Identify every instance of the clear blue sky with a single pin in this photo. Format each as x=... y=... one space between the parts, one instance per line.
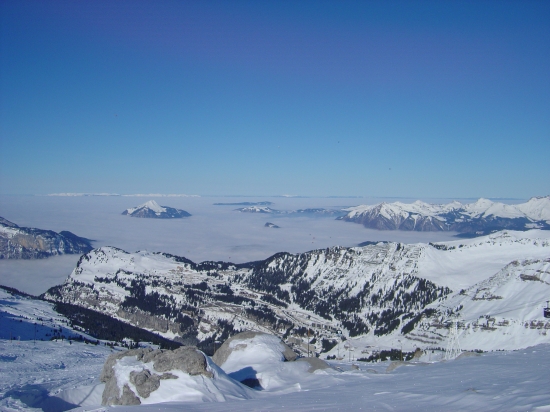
x=370 y=98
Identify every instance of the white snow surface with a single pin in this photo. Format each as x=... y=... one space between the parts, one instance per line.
x=536 y=209
x=468 y=261
x=262 y=359
x=57 y=376
x=151 y=204
x=504 y=381
x=36 y=372
x=461 y=265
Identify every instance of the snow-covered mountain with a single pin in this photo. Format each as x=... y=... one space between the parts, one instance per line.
x=498 y=312
x=257 y=209
x=29 y=243
x=151 y=209
x=481 y=217
x=297 y=212
x=374 y=293
x=264 y=203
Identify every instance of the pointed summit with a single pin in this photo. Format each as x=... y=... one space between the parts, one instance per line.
x=152 y=209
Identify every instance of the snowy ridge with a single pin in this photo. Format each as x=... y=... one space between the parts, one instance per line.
x=371 y=292
x=298 y=212
x=480 y=216
x=26 y=318
x=504 y=310
x=257 y=209
x=151 y=204
x=30 y=243
x=152 y=209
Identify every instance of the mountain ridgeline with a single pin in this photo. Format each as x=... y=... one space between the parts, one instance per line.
x=30 y=243
x=358 y=289
x=481 y=217
x=379 y=291
x=153 y=210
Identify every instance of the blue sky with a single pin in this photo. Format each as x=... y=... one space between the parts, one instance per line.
x=371 y=98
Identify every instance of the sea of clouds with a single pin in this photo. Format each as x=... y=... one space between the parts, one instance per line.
x=213 y=232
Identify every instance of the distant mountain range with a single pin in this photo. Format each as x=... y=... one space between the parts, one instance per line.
x=151 y=209
x=29 y=243
x=266 y=203
x=495 y=284
x=298 y=212
x=481 y=217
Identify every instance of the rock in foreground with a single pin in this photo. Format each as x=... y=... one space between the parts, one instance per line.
x=145 y=376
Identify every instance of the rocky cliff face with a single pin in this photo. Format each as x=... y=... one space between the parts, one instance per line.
x=30 y=243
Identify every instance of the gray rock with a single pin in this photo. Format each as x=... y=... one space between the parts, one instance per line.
x=128 y=397
x=225 y=350
x=168 y=375
x=107 y=372
x=185 y=359
x=145 y=382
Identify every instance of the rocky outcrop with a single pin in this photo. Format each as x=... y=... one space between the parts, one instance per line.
x=145 y=375
x=29 y=243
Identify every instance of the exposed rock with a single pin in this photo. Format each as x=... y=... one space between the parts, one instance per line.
x=107 y=373
x=144 y=320
x=417 y=354
x=186 y=359
x=29 y=243
x=147 y=380
x=128 y=397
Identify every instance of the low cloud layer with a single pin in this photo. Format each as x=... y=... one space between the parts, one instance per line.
x=211 y=233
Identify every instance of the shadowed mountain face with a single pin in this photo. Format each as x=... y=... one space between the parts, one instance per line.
x=30 y=243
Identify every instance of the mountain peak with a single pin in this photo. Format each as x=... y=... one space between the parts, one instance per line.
x=152 y=209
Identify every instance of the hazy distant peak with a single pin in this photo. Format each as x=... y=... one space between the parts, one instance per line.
x=152 y=209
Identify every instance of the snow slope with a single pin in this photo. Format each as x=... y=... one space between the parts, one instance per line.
x=461 y=263
x=50 y=375
x=498 y=381
x=57 y=376
x=504 y=311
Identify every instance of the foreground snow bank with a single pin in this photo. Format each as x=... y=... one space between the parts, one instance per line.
x=497 y=381
x=50 y=376
x=263 y=361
